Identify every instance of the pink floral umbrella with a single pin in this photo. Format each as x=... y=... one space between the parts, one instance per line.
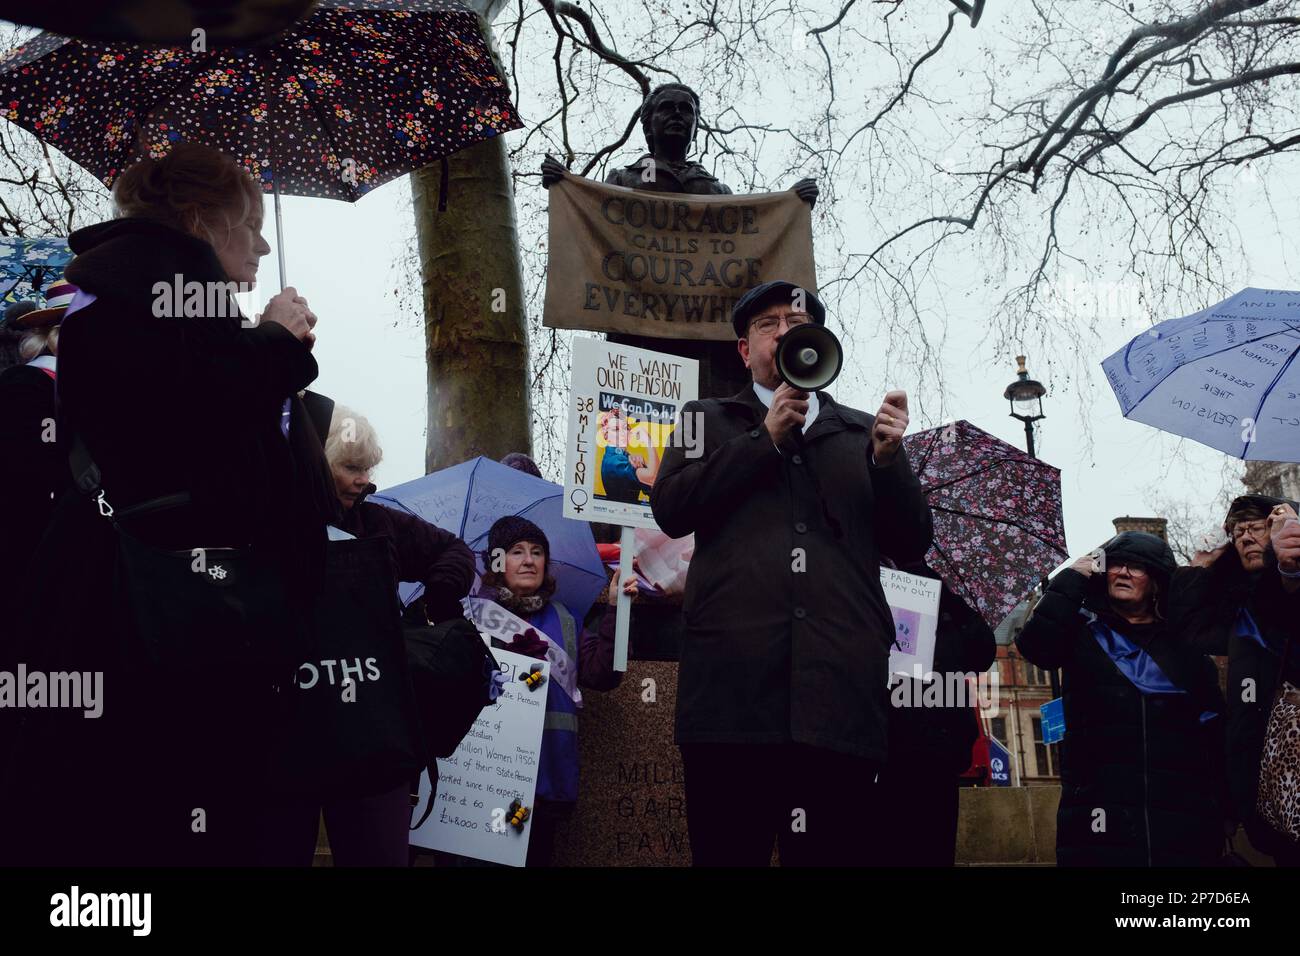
x=997 y=515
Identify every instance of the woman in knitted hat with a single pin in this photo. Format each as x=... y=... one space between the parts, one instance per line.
x=518 y=578
x=1142 y=780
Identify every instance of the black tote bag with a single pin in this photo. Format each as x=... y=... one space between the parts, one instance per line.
x=350 y=727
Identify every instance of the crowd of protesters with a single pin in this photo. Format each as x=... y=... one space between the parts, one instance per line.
x=197 y=437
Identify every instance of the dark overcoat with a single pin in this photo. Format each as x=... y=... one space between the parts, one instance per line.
x=165 y=404
x=787 y=628
x=1142 y=779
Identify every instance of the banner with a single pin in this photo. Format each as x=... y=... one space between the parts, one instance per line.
x=914 y=603
x=494 y=621
x=622 y=413
x=494 y=765
x=668 y=265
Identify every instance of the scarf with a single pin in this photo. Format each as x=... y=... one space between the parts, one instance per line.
x=522 y=605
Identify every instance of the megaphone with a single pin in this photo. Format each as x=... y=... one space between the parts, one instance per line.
x=809 y=357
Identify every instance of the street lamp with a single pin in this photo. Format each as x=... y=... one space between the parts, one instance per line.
x=1026 y=398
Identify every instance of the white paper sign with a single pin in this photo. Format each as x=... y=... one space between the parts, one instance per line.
x=624 y=402
x=914 y=603
x=494 y=621
x=495 y=764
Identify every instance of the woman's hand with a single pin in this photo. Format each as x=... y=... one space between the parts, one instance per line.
x=1086 y=565
x=289 y=309
x=1204 y=558
x=630 y=588
x=1284 y=532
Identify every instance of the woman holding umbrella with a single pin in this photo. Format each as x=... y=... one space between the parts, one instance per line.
x=183 y=416
x=1142 y=763
x=524 y=586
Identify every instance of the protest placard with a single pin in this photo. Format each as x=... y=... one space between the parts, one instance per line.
x=495 y=764
x=668 y=265
x=623 y=406
x=914 y=604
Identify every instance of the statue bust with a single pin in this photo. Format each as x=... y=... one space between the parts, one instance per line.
x=669 y=118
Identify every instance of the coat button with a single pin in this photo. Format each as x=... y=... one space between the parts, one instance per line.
x=754 y=433
x=797 y=459
x=800 y=613
x=800 y=527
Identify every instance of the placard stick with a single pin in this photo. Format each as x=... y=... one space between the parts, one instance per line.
x=626 y=552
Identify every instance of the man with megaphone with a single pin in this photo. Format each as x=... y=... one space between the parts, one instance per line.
x=782 y=695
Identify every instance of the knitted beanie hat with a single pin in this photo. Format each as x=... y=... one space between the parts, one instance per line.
x=506 y=532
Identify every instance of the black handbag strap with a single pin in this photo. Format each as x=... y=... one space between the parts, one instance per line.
x=87 y=479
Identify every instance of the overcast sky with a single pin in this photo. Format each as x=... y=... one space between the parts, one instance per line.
x=371 y=355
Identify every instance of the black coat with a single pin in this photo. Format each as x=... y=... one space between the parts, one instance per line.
x=1146 y=760
x=1206 y=605
x=165 y=405
x=772 y=654
x=421 y=552
x=34 y=473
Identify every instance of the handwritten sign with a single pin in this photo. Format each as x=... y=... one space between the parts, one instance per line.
x=914 y=603
x=494 y=765
x=624 y=405
x=667 y=264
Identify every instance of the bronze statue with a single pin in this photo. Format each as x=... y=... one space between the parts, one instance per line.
x=669 y=119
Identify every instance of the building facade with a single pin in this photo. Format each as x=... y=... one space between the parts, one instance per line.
x=1279 y=479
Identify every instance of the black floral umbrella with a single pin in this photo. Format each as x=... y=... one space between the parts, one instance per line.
x=347 y=99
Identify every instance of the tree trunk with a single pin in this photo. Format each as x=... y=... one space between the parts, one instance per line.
x=475 y=330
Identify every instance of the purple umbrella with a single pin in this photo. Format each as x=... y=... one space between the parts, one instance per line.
x=997 y=515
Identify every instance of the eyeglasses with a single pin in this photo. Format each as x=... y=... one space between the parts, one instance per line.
x=1256 y=529
x=1134 y=570
x=767 y=324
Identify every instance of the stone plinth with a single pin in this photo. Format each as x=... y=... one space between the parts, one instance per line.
x=1007 y=825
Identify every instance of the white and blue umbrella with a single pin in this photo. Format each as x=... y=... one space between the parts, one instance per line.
x=29 y=266
x=1225 y=376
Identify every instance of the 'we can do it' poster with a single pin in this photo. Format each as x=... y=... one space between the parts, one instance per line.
x=623 y=407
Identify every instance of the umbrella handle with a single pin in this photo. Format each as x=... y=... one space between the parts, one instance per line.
x=279 y=226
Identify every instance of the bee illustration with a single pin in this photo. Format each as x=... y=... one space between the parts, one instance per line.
x=533 y=679
x=519 y=814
